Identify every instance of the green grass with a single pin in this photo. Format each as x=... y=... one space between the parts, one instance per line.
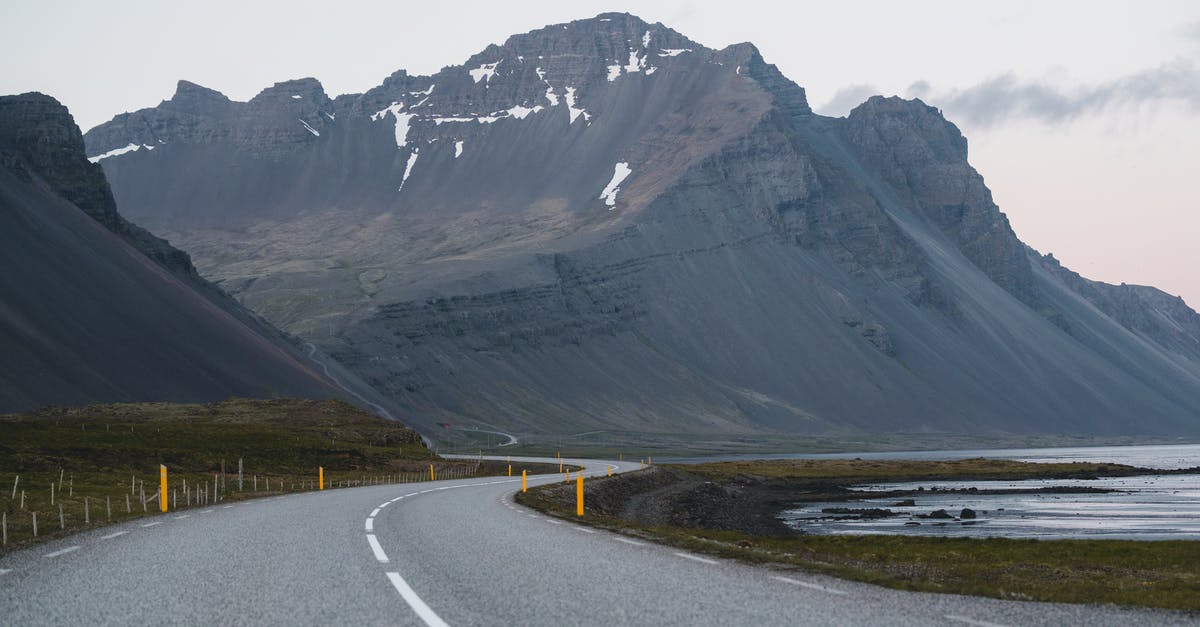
x=101 y=455
x=1160 y=574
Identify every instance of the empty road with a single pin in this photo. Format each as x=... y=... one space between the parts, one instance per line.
x=445 y=553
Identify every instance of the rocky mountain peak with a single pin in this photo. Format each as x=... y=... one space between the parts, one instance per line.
x=301 y=93
x=920 y=128
x=192 y=97
x=39 y=138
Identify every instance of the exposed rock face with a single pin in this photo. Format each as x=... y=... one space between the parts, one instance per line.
x=96 y=309
x=604 y=225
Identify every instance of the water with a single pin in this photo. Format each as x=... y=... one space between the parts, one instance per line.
x=1141 y=508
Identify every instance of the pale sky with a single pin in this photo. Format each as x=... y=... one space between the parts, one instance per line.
x=1083 y=116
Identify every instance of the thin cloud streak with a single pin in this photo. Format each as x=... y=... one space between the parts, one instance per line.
x=1006 y=97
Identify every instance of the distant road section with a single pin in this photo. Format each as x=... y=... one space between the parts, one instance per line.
x=446 y=553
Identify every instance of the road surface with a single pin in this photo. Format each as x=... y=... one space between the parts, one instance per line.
x=447 y=552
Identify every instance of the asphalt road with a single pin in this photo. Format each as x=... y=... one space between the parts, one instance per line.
x=446 y=552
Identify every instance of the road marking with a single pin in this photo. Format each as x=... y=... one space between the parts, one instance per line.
x=207 y=511
x=151 y=524
x=813 y=586
x=584 y=529
x=378 y=550
x=703 y=560
x=554 y=522
x=4 y=571
x=227 y=507
x=370 y=524
x=113 y=535
x=374 y=513
x=62 y=551
x=182 y=516
x=384 y=504
x=628 y=541
x=423 y=611
x=971 y=621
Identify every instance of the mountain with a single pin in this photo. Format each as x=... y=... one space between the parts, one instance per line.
x=94 y=308
x=603 y=226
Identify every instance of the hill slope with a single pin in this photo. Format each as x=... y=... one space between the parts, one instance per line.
x=603 y=225
x=94 y=308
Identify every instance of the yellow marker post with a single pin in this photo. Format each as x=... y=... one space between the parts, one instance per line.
x=610 y=471
x=162 y=488
x=431 y=472
x=510 y=470
x=523 y=485
x=320 y=477
x=579 y=495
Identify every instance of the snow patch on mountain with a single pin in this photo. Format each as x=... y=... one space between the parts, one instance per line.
x=458 y=148
x=484 y=72
x=412 y=160
x=575 y=112
x=614 y=71
x=120 y=151
x=520 y=112
x=620 y=172
x=673 y=52
x=310 y=129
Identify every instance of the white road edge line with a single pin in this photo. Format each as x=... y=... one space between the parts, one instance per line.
x=151 y=524
x=375 y=548
x=4 y=571
x=812 y=586
x=62 y=551
x=585 y=530
x=113 y=535
x=628 y=541
x=697 y=558
x=971 y=621
x=422 y=610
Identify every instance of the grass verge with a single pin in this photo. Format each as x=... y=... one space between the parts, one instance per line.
x=1158 y=574
x=87 y=467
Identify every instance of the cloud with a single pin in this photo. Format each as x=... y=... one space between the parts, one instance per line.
x=846 y=99
x=1005 y=97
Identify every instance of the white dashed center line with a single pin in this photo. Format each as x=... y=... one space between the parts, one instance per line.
x=697 y=558
x=113 y=535
x=971 y=621
x=811 y=586
x=375 y=548
x=370 y=524
x=62 y=551
x=410 y=596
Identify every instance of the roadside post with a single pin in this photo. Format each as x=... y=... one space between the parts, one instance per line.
x=579 y=495
x=162 y=488
x=524 y=486
x=320 y=477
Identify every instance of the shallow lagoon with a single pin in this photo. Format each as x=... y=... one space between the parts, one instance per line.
x=1142 y=508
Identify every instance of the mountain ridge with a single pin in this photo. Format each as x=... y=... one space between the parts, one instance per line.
x=450 y=239
x=96 y=308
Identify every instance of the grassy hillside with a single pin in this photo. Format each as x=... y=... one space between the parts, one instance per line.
x=98 y=463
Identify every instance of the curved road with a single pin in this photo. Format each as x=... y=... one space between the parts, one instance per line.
x=447 y=552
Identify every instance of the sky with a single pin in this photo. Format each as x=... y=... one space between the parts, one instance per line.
x=1082 y=116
